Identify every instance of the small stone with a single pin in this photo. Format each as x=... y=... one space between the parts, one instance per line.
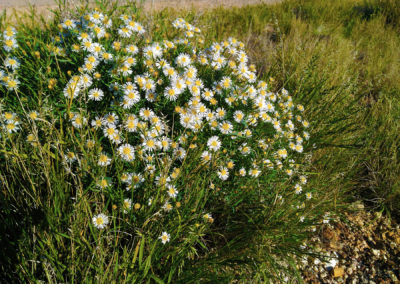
x=338 y=272
x=376 y=252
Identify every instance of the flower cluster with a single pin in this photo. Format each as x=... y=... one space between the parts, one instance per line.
x=8 y=72
x=147 y=110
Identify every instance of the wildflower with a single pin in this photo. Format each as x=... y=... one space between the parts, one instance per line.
x=242 y=172
x=127 y=205
x=78 y=121
x=164 y=237
x=150 y=144
x=223 y=173
x=10 y=44
x=11 y=63
x=100 y=221
x=206 y=156
x=104 y=160
x=282 y=153
x=127 y=152
x=110 y=119
x=68 y=24
x=12 y=83
x=254 y=172
x=244 y=149
x=180 y=153
x=103 y=183
x=167 y=206
x=96 y=94
x=172 y=192
x=33 y=115
x=213 y=143
x=12 y=126
x=207 y=217
x=225 y=127
x=183 y=60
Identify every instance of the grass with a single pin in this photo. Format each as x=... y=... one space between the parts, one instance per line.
x=338 y=58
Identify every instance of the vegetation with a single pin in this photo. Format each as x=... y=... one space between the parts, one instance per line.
x=338 y=59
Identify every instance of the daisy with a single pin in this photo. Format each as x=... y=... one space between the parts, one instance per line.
x=12 y=126
x=124 y=32
x=146 y=113
x=96 y=94
x=10 y=44
x=104 y=160
x=132 y=49
x=131 y=125
x=127 y=152
x=111 y=119
x=150 y=144
x=136 y=179
x=282 y=153
x=127 y=204
x=172 y=192
x=225 y=127
x=132 y=95
x=297 y=189
x=85 y=81
x=68 y=24
x=206 y=156
x=298 y=148
x=214 y=143
x=220 y=113
x=180 y=153
x=70 y=157
x=223 y=173
x=78 y=121
x=100 y=221
x=242 y=172
x=167 y=206
x=183 y=60
x=303 y=179
x=207 y=94
x=254 y=172
x=11 y=63
x=238 y=116
x=171 y=93
x=164 y=237
x=111 y=132
x=33 y=115
x=97 y=122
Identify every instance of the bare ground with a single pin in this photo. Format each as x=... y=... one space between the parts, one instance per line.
x=43 y=7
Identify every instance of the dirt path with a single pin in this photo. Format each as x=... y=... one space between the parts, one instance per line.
x=43 y=7
x=148 y=4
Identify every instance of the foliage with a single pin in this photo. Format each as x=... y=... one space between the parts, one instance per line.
x=147 y=158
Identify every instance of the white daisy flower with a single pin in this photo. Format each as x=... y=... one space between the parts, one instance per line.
x=165 y=237
x=223 y=173
x=100 y=221
x=214 y=143
x=96 y=94
x=127 y=152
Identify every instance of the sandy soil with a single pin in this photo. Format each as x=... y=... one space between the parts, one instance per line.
x=149 y=4
x=43 y=7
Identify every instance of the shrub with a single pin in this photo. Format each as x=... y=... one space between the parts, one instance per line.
x=148 y=160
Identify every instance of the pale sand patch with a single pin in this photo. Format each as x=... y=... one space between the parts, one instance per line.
x=42 y=7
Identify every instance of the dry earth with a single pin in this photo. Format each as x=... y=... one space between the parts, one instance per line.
x=43 y=7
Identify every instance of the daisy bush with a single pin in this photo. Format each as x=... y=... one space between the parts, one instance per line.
x=151 y=157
